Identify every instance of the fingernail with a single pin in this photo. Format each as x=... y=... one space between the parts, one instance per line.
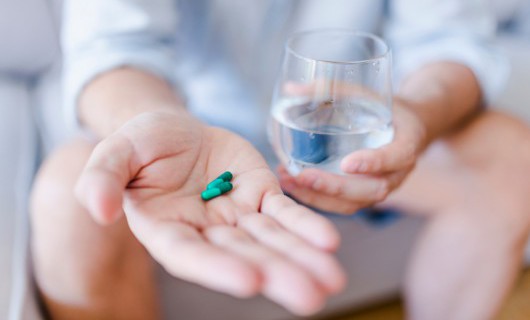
x=363 y=166
x=354 y=167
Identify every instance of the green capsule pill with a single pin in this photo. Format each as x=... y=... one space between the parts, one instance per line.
x=214 y=183
x=225 y=187
x=226 y=176
x=209 y=194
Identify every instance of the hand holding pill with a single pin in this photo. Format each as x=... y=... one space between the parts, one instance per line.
x=235 y=232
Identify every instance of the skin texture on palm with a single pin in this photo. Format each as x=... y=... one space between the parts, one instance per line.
x=251 y=240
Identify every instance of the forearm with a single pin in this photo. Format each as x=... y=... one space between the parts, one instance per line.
x=442 y=95
x=118 y=95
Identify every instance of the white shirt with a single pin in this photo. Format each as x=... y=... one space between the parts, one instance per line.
x=224 y=54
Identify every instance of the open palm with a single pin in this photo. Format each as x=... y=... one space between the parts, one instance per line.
x=251 y=240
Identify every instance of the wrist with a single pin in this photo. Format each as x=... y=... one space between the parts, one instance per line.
x=104 y=125
x=443 y=95
x=120 y=95
x=424 y=134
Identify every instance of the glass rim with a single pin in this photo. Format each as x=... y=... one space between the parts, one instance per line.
x=360 y=34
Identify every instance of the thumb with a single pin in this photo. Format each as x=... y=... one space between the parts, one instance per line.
x=409 y=140
x=102 y=183
x=397 y=155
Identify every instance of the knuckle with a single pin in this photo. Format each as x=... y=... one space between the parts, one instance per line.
x=383 y=190
x=336 y=188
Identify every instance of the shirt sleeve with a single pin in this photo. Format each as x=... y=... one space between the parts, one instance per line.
x=100 y=35
x=425 y=31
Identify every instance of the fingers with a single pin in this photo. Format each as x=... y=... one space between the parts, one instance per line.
x=283 y=281
x=322 y=265
x=185 y=254
x=303 y=222
x=359 y=188
x=102 y=183
x=323 y=202
x=400 y=154
x=339 y=194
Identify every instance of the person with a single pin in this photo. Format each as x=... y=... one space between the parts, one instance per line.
x=147 y=158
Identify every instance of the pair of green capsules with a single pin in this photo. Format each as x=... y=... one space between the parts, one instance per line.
x=218 y=186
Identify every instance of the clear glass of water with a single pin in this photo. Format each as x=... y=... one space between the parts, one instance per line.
x=333 y=97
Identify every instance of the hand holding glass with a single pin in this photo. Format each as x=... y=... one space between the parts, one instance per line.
x=333 y=97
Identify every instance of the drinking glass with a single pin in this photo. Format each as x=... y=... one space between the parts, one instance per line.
x=333 y=96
